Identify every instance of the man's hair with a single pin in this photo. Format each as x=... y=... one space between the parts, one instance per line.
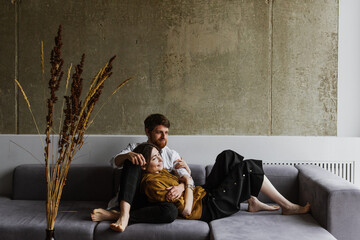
x=154 y=120
x=145 y=149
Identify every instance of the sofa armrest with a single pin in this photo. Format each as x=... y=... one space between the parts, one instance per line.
x=335 y=203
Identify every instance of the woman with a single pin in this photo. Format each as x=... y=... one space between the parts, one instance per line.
x=231 y=181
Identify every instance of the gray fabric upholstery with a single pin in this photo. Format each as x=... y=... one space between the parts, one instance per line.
x=25 y=219
x=284 y=178
x=179 y=229
x=268 y=226
x=334 y=202
x=84 y=183
x=198 y=174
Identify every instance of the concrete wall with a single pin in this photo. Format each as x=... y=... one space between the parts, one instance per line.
x=242 y=67
x=7 y=68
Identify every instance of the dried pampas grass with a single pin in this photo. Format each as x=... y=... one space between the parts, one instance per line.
x=75 y=120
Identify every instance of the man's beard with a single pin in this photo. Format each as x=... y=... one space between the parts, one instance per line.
x=159 y=144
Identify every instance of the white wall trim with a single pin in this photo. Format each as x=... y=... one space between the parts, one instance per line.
x=348 y=122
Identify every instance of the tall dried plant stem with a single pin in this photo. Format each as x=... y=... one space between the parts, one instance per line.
x=42 y=64
x=54 y=83
x=108 y=99
x=72 y=128
x=75 y=142
x=63 y=103
x=30 y=110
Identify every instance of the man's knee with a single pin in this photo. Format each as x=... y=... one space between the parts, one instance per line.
x=168 y=212
x=129 y=165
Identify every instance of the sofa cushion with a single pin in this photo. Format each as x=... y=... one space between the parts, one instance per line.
x=179 y=229
x=26 y=219
x=268 y=225
x=84 y=183
x=198 y=173
x=334 y=201
x=285 y=179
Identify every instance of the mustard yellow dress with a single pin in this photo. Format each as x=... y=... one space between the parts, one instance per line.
x=231 y=181
x=154 y=186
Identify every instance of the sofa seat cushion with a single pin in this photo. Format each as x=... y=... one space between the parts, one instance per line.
x=268 y=225
x=179 y=229
x=25 y=219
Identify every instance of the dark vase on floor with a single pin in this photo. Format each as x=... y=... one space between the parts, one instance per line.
x=50 y=234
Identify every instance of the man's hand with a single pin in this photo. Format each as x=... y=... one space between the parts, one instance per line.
x=136 y=158
x=180 y=163
x=175 y=192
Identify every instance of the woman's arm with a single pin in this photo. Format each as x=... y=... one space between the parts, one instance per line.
x=188 y=195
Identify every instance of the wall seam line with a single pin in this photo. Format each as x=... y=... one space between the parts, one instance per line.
x=270 y=103
x=16 y=64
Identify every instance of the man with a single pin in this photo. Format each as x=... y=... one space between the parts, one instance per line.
x=129 y=197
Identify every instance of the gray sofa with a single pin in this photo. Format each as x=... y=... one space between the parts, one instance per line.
x=335 y=208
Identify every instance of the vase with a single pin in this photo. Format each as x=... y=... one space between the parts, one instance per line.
x=50 y=234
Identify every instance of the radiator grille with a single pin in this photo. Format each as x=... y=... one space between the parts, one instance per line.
x=344 y=170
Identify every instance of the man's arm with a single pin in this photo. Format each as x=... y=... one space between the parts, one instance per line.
x=182 y=170
x=180 y=163
x=135 y=158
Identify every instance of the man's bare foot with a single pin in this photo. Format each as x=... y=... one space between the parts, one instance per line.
x=100 y=214
x=255 y=205
x=296 y=209
x=121 y=223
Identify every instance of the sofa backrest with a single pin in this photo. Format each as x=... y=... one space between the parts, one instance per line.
x=84 y=182
x=284 y=179
x=100 y=183
x=198 y=173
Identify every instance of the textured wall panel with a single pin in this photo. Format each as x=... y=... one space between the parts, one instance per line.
x=7 y=67
x=207 y=65
x=305 y=67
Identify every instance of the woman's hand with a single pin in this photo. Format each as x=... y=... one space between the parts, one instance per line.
x=175 y=192
x=186 y=212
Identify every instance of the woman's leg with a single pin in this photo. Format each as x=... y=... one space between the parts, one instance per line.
x=225 y=162
x=288 y=208
x=231 y=181
x=255 y=205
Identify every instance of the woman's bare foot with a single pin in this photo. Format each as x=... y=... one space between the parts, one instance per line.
x=255 y=205
x=100 y=214
x=121 y=223
x=296 y=209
